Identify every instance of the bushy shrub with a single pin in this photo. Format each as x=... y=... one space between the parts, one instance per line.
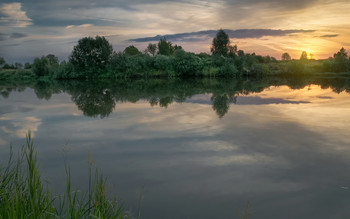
x=65 y=71
x=259 y=69
x=228 y=69
x=187 y=64
x=163 y=63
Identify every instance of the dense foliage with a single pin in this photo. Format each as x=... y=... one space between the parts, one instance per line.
x=94 y=58
x=90 y=57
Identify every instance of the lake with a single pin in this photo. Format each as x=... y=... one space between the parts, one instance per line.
x=206 y=148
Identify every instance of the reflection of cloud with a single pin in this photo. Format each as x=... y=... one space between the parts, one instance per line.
x=15 y=16
x=243 y=159
x=325 y=97
x=256 y=100
x=29 y=123
x=4 y=129
x=2 y=142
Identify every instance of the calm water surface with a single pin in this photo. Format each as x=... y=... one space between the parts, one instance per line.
x=194 y=149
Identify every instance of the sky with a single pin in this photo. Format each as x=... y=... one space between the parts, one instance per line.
x=32 y=28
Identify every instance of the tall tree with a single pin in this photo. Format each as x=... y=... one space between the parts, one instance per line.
x=165 y=47
x=303 y=55
x=152 y=49
x=91 y=56
x=341 y=55
x=52 y=59
x=286 y=56
x=221 y=44
x=2 y=61
x=41 y=66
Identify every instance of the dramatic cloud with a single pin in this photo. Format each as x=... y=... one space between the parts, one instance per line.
x=204 y=35
x=330 y=35
x=266 y=27
x=14 y=15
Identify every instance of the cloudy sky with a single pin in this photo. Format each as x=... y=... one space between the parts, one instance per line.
x=31 y=28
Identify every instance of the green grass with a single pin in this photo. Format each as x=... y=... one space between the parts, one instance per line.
x=24 y=195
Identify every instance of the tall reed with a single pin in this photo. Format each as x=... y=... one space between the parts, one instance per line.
x=23 y=194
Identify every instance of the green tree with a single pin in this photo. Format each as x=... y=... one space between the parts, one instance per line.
x=41 y=66
x=2 y=61
x=342 y=54
x=340 y=62
x=131 y=51
x=90 y=57
x=286 y=56
x=53 y=60
x=152 y=49
x=18 y=65
x=303 y=55
x=221 y=44
x=27 y=65
x=165 y=47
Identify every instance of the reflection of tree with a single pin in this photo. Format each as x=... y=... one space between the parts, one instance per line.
x=221 y=103
x=98 y=98
x=94 y=102
x=5 y=92
x=45 y=89
x=165 y=101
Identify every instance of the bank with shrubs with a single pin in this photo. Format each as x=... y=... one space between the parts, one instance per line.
x=95 y=58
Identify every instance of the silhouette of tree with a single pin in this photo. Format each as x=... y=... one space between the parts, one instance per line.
x=18 y=65
x=221 y=44
x=27 y=65
x=131 y=51
x=341 y=62
x=152 y=49
x=165 y=47
x=303 y=55
x=2 y=61
x=286 y=56
x=342 y=54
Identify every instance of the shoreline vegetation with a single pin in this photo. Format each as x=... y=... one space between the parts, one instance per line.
x=94 y=58
x=23 y=193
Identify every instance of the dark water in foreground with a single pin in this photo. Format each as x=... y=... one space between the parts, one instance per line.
x=194 y=149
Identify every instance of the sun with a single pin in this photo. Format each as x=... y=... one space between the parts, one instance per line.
x=309 y=55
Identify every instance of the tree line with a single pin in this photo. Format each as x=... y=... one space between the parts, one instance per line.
x=95 y=58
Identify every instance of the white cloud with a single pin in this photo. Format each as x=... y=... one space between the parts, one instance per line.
x=14 y=15
x=78 y=26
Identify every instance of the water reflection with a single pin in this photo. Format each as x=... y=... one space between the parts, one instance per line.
x=99 y=98
x=281 y=149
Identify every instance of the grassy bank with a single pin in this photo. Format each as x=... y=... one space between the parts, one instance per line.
x=23 y=193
